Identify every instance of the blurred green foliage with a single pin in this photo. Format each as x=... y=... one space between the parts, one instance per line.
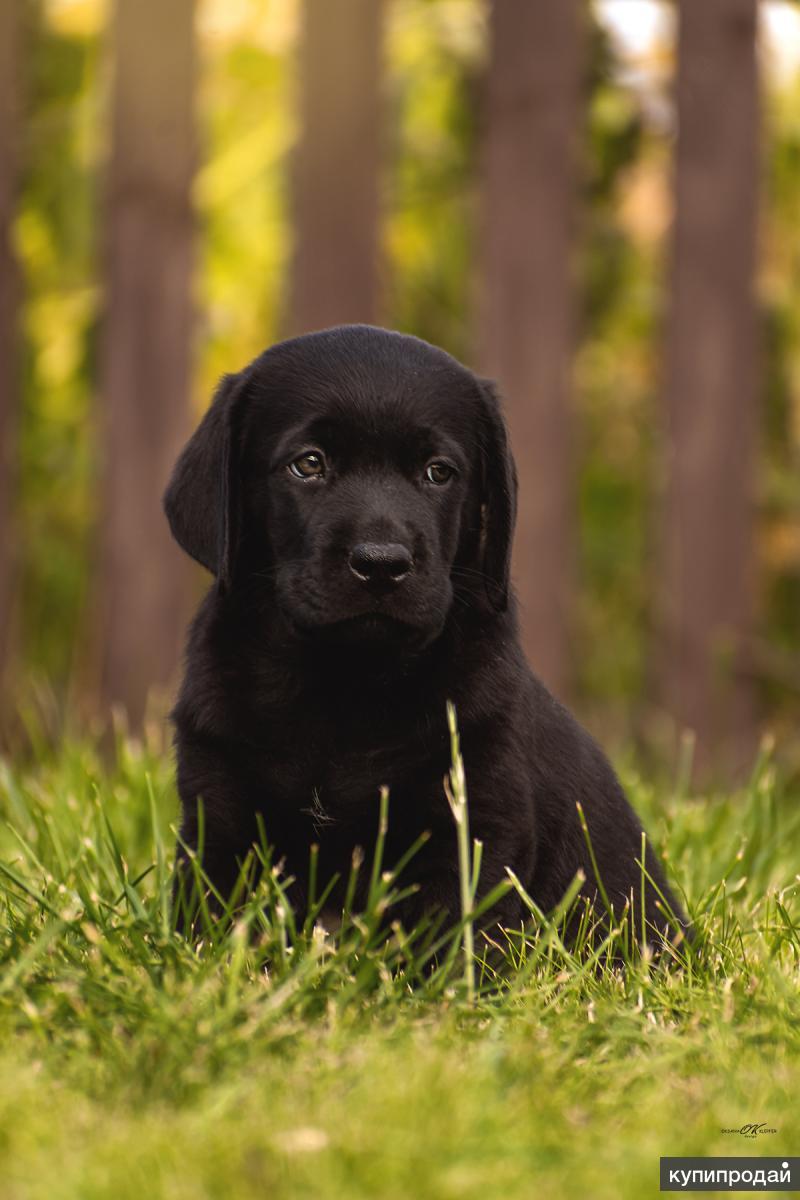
x=434 y=59
x=56 y=243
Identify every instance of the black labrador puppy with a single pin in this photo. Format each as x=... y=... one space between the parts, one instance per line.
x=353 y=493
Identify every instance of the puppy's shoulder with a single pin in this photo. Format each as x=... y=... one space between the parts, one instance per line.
x=563 y=752
x=212 y=681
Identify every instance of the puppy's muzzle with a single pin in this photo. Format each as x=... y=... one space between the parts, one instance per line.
x=380 y=564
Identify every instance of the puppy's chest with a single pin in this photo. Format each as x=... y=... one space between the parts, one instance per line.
x=336 y=787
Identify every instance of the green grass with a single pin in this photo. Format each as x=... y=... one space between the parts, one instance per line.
x=277 y=1060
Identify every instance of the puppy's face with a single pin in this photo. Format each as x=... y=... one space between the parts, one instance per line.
x=367 y=474
x=359 y=495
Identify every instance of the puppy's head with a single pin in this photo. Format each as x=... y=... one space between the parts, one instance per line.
x=357 y=477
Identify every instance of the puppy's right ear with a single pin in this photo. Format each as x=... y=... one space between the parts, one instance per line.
x=499 y=497
x=201 y=500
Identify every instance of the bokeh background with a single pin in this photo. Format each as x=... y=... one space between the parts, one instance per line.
x=596 y=203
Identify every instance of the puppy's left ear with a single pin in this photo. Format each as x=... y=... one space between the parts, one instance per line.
x=201 y=500
x=498 y=498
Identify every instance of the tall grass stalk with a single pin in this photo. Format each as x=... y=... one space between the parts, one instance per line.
x=455 y=786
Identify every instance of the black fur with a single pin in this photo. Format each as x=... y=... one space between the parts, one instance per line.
x=308 y=687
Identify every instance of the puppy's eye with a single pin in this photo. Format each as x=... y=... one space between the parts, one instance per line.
x=309 y=466
x=439 y=472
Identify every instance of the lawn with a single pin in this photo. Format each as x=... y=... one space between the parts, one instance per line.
x=288 y=1062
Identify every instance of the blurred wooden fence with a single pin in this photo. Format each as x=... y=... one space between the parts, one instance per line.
x=529 y=177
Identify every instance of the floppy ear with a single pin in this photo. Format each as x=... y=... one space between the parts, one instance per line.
x=498 y=499
x=201 y=500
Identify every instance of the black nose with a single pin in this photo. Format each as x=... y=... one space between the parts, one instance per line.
x=378 y=562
